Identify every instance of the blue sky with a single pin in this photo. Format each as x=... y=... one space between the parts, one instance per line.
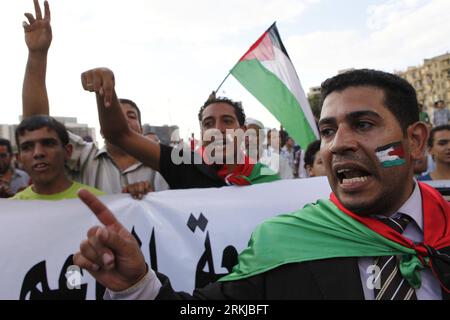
x=168 y=55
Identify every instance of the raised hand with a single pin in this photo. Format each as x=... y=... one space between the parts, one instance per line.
x=38 y=32
x=110 y=253
x=101 y=81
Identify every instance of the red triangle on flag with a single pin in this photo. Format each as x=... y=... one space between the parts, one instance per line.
x=261 y=50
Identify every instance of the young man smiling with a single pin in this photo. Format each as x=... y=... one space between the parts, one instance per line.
x=218 y=163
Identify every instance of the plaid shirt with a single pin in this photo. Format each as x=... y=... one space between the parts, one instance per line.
x=441 y=117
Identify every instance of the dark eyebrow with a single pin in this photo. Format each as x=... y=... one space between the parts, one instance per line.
x=44 y=140
x=360 y=114
x=228 y=116
x=26 y=143
x=47 y=140
x=325 y=121
x=350 y=117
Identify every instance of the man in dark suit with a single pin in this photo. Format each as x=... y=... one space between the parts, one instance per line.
x=381 y=235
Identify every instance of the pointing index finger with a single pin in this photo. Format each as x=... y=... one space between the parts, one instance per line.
x=103 y=214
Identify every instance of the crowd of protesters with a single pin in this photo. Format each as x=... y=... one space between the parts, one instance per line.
x=234 y=150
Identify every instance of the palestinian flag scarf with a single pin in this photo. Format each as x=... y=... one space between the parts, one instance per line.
x=244 y=174
x=327 y=230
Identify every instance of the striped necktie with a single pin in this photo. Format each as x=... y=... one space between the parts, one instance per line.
x=392 y=285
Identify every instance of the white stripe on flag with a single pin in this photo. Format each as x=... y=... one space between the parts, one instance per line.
x=283 y=68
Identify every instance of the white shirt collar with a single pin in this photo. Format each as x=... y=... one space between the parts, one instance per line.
x=413 y=207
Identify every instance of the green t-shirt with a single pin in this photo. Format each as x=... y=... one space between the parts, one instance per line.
x=70 y=193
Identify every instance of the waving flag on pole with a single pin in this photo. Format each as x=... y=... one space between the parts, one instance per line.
x=267 y=72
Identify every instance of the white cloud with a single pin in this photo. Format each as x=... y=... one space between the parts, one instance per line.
x=401 y=33
x=389 y=12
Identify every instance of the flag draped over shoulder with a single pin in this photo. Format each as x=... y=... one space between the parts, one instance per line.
x=267 y=72
x=327 y=230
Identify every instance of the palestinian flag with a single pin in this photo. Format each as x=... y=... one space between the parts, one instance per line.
x=268 y=73
x=391 y=155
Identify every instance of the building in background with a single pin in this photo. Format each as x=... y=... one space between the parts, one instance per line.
x=314 y=92
x=83 y=130
x=431 y=81
x=168 y=135
x=314 y=101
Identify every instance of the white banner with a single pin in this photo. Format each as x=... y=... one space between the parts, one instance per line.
x=192 y=236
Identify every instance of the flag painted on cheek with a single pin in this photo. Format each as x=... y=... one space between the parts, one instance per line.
x=391 y=155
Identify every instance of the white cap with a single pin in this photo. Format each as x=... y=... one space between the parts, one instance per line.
x=251 y=121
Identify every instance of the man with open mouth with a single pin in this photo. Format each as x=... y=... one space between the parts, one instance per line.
x=381 y=235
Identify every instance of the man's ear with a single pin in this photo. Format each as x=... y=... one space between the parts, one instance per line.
x=417 y=139
x=69 y=149
x=309 y=170
x=201 y=133
x=19 y=157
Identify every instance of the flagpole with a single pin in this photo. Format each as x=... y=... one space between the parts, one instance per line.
x=217 y=90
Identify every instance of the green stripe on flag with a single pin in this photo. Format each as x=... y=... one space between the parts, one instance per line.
x=393 y=163
x=277 y=98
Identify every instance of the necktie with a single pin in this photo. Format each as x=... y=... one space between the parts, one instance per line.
x=392 y=285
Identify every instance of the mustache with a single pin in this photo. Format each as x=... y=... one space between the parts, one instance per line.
x=347 y=157
x=351 y=157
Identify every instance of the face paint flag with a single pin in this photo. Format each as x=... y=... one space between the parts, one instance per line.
x=267 y=72
x=391 y=155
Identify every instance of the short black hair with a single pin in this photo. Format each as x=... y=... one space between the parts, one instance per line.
x=310 y=153
x=433 y=133
x=42 y=121
x=237 y=106
x=7 y=144
x=284 y=136
x=134 y=105
x=399 y=95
